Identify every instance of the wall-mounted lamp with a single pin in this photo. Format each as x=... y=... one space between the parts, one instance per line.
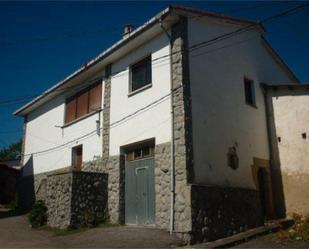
x=98 y=125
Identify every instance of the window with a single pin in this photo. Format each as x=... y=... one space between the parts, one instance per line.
x=140 y=74
x=77 y=157
x=140 y=153
x=249 y=92
x=84 y=102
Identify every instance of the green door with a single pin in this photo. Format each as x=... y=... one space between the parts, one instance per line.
x=140 y=192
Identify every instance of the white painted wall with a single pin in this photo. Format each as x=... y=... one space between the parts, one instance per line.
x=155 y=121
x=221 y=118
x=291 y=115
x=42 y=134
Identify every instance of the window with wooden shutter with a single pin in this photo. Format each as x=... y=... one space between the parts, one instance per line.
x=70 y=110
x=95 y=97
x=82 y=104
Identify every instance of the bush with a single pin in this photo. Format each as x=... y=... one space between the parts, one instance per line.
x=38 y=214
x=300 y=229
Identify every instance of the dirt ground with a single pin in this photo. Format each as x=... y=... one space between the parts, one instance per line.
x=272 y=241
x=15 y=232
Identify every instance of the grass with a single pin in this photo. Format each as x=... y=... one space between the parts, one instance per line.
x=70 y=231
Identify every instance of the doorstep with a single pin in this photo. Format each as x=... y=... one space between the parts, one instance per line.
x=270 y=226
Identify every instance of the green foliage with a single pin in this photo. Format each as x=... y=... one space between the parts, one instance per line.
x=300 y=229
x=38 y=214
x=12 y=152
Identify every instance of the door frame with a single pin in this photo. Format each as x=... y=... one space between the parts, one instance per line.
x=125 y=150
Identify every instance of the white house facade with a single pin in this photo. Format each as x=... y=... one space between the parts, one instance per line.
x=170 y=123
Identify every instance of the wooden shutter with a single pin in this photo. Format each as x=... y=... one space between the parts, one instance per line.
x=70 y=110
x=82 y=104
x=95 y=97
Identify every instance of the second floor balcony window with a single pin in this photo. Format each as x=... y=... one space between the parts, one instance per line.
x=84 y=102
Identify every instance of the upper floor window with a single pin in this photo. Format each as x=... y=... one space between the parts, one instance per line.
x=84 y=102
x=249 y=92
x=140 y=74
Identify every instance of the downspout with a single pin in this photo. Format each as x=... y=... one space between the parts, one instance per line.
x=172 y=166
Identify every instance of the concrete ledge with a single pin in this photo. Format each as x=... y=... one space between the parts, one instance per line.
x=271 y=226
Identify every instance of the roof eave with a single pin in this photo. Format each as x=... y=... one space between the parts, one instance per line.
x=100 y=57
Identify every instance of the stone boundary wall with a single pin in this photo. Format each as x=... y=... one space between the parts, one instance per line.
x=58 y=199
x=218 y=212
x=76 y=198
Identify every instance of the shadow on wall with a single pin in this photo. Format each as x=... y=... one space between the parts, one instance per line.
x=275 y=167
x=25 y=187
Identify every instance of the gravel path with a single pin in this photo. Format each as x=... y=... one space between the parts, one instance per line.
x=15 y=232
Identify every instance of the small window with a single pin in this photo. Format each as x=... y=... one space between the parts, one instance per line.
x=140 y=153
x=140 y=74
x=77 y=157
x=249 y=92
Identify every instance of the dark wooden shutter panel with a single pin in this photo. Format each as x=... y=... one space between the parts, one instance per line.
x=82 y=104
x=95 y=97
x=70 y=110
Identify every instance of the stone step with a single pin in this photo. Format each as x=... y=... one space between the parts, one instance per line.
x=270 y=226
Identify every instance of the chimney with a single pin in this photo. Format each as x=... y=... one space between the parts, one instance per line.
x=128 y=28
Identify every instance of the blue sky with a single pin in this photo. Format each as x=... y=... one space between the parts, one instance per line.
x=43 y=42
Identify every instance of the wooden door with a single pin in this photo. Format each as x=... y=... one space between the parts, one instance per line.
x=77 y=157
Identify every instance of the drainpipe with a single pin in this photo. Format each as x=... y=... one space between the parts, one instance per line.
x=172 y=166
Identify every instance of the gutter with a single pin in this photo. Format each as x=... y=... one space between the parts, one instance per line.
x=172 y=166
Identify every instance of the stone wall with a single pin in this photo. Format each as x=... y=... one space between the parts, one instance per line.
x=89 y=198
x=58 y=199
x=220 y=212
x=162 y=184
x=181 y=127
x=115 y=170
x=76 y=199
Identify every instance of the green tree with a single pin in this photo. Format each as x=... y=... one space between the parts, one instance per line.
x=12 y=152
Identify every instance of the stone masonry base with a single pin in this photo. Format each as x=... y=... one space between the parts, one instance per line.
x=219 y=212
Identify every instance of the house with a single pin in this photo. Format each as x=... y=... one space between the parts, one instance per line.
x=168 y=127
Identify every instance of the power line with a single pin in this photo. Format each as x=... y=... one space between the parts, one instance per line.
x=195 y=46
x=158 y=100
x=254 y=7
x=112 y=125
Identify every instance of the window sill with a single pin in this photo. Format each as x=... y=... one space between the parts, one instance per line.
x=140 y=90
x=81 y=118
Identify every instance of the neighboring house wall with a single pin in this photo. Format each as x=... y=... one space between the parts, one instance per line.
x=221 y=118
x=44 y=132
x=291 y=116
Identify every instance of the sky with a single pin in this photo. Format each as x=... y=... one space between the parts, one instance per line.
x=43 y=42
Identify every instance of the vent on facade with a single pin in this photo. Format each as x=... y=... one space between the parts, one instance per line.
x=128 y=28
x=279 y=139
x=304 y=135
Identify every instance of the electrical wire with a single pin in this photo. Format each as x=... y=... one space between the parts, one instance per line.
x=193 y=47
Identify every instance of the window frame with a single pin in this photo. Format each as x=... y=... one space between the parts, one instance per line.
x=252 y=91
x=75 y=97
x=131 y=66
x=73 y=153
